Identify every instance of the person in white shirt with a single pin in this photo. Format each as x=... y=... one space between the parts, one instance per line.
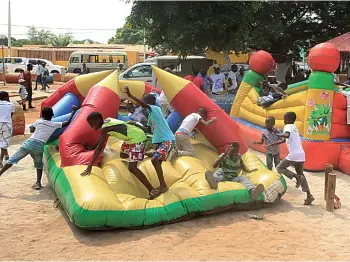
x=42 y=129
x=347 y=95
x=218 y=80
x=39 y=72
x=6 y=112
x=295 y=157
x=182 y=135
x=232 y=80
x=135 y=113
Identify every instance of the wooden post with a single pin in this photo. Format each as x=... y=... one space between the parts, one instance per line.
x=329 y=169
x=332 y=178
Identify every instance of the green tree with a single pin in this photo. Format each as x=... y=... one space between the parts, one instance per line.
x=127 y=35
x=39 y=37
x=62 y=39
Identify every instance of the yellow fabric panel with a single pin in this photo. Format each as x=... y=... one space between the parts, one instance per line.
x=85 y=82
x=137 y=88
x=296 y=89
x=298 y=99
x=170 y=83
x=111 y=82
x=243 y=91
x=113 y=187
x=253 y=107
x=252 y=117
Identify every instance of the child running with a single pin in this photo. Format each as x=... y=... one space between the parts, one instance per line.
x=162 y=136
x=42 y=129
x=295 y=157
x=268 y=137
x=229 y=165
x=182 y=135
x=6 y=112
x=133 y=147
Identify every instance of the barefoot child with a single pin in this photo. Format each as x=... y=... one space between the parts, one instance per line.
x=268 y=137
x=133 y=147
x=42 y=129
x=229 y=165
x=182 y=135
x=22 y=94
x=162 y=135
x=6 y=112
x=296 y=156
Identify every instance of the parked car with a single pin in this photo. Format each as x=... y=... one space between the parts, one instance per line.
x=15 y=64
x=1 y=68
x=53 y=69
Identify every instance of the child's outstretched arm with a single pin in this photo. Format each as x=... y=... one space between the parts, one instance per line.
x=97 y=152
x=66 y=123
x=137 y=100
x=207 y=123
x=283 y=140
x=261 y=141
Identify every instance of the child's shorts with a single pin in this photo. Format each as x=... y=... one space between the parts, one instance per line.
x=163 y=150
x=32 y=147
x=23 y=97
x=136 y=151
x=5 y=135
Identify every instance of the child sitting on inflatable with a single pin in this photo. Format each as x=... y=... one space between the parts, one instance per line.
x=42 y=129
x=229 y=165
x=184 y=146
x=133 y=147
x=135 y=113
x=268 y=137
x=270 y=94
x=162 y=135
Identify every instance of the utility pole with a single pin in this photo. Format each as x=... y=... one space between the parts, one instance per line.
x=9 y=32
x=144 y=44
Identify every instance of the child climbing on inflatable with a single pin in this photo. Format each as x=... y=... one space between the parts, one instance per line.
x=268 y=137
x=182 y=135
x=162 y=135
x=295 y=157
x=42 y=129
x=229 y=165
x=135 y=113
x=133 y=147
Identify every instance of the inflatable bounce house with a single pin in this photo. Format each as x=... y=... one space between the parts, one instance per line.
x=320 y=109
x=111 y=196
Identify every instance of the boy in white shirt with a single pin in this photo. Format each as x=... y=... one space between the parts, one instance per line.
x=218 y=80
x=182 y=135
x=296 y=156
x=42 y=129
x=347 y=95
x=232 y=80
x=6 y=112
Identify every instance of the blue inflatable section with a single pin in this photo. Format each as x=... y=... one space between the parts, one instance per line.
x=64 y=106
x=174 y=121
x=63 y=118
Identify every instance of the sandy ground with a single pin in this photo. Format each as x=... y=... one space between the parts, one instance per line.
x=31 y=228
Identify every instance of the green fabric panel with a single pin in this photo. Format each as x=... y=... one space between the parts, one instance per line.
x=295 y=85
x=321 y=80
x=135 y=218
x=253 y=78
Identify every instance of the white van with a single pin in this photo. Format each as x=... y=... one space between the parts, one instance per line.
x=96 y=61
x=15 y=64
x=181 y=67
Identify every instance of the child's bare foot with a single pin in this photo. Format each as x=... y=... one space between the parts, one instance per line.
x=211 y=180
x=255 y=193
x=309 y=200
x=37 y=186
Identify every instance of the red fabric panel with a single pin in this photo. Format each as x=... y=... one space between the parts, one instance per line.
x=339 y=101
x=79 y=132
x=149 y=88
x=222 y=132
x=340 y=131
x=344 y=160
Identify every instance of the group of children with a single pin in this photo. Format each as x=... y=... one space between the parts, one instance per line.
x=150 y=120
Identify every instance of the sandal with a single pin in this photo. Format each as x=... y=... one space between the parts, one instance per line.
x=309 y=200
x=37 y=186
x=163 y=189
x=155 y=192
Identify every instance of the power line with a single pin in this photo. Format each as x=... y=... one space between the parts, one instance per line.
x=62 y=28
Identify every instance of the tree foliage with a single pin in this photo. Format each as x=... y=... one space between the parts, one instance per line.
x=39 y=37
x=62 y=39
x=127 y=35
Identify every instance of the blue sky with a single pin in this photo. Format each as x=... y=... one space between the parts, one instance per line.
x=75 y=14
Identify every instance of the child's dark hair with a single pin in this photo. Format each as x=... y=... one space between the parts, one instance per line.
x=235 y=144
x=95 y=116
x=203 y=111
x=272 y=119
x=4 y=95
x=291 y=116
x=149 y=99
x=47 y=113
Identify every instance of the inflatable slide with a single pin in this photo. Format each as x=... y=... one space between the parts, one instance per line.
x=320 y=109
x=111 y=196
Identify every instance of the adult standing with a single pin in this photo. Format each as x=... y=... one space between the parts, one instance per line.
x=240 y=76
x=39 y=72
x=28 y=84
x=218 y=80
x=206 y=79
x=232 y=80
x=44 y=76
x=86 y=70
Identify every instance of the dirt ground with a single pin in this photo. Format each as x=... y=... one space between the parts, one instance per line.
x=31 y=228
